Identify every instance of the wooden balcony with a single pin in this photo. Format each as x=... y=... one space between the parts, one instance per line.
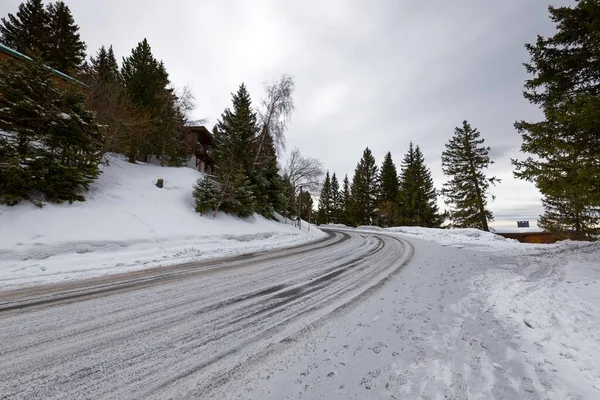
x=203 y=151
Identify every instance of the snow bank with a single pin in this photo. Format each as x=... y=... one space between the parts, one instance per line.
x=127 y=223
x=552 y=296
x=453 y=237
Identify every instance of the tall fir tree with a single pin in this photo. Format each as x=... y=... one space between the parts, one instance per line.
x=336 y=201
x=233 y=134
x=104 y=66
x=267 y=184
x=389 y=209
x=325 y=202
x=418 y=197
x=464 y=162
x=307 y=204
x=345 y=201
x=364 y=191
x=27 y=31
x=49 y=142
x=565 y=83
x=64 y=50
x=146 y=83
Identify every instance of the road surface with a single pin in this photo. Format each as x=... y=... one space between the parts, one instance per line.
x=181 y=332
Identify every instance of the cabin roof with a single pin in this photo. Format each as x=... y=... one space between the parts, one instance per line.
x=15 y=54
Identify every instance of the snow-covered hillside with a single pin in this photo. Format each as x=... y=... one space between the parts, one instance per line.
x=127 y=223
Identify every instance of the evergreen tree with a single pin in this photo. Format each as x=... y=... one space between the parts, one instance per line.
x=267 y=184
x=418 y=197
x=146 y=84
x=206 y=193
x=49 y=142
x=345 y=201
x=365 y=190
x=464 y=161
x=64 y=50
x=336 y=201
x=325 y=202
x=233 y=134
x=104 y=66
x=27 y=31
x=566 y=85
x=307 y=204
x=389 y=191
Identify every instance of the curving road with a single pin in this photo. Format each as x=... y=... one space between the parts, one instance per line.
x=183 y=331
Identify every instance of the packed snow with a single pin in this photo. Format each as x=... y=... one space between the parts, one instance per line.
x=128 y=223
x=473 y=315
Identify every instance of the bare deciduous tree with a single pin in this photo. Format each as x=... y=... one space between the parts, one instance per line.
x=275 y=113
x=302 y=172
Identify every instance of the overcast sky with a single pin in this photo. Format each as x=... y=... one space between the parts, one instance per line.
x=368 y=73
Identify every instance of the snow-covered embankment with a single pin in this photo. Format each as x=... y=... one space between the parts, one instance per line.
x=127 y=223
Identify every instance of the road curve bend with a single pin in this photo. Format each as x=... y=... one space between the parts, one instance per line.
x=184 y=331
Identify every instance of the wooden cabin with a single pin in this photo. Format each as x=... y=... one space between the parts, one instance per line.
x=60 y=78
x=532 y=237
x=200 y=144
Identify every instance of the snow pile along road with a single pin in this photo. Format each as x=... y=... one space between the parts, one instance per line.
x=128 y=223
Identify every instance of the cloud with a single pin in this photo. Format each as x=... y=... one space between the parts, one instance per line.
x=377 y=74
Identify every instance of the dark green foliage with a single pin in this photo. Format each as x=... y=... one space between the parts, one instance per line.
x=307 y=205
x=565 y=84
x=47 y=33
x=50 y=144
x=345 y=201
x=145 y=78
x=234 y=136
x=570 y=215
x=325 y=202
x=389 y=210
x=146 y=83
x=364 y=192
x=464 y=161
x=27 y=31
x=337 y=206
x=206 y=193
x=266 y=182
x=418 y=197
x=104 y=66
x=287 y=190
x=64 y=50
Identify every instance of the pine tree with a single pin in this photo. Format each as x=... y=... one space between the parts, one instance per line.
x=64 y=50
x=418 y=197
x=325 y=202
x=364 y=192
x=336 y=200
x=565 y=84
x=234 y=134
x=267 y=185
x=49 y=142
x=27 y=31
x=104 y=66
x=307 y=206
x=389 y=191
x=464 y=161
x=345 y=201
x=146 y=80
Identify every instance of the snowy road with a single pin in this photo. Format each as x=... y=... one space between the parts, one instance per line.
x=184 y=331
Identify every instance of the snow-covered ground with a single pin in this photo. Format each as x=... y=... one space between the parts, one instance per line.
x=128 y=223
x=473 y=315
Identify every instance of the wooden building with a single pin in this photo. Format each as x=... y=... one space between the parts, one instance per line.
x=200 y=143
x=532 y=237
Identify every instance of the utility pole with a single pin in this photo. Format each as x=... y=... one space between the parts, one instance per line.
x=300 y=209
